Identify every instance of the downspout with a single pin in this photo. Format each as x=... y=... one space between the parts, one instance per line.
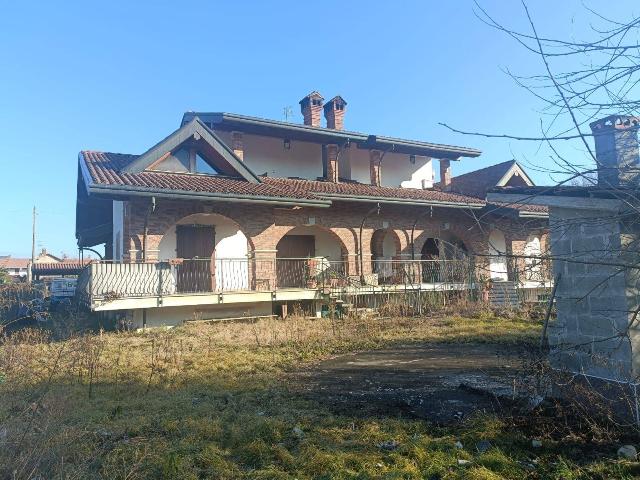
x=150 y=210
x=413 y=230
x=375 y=210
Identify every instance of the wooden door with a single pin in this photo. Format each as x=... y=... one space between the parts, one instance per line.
x=292 y=268
x=195 y=244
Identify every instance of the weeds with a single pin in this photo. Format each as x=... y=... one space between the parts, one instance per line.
x=211 y=401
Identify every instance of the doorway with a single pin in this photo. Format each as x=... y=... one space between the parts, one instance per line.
x=195 y=244
x=293 y=252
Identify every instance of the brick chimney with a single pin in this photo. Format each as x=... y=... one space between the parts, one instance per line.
x=311 y=108
x=617 y=152
x=334 y=112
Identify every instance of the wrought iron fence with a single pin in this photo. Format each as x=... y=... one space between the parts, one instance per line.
x=103 y=281
x=394 y=272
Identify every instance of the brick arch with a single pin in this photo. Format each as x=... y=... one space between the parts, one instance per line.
x=214 y=217
x=377 y=241
x=168 y=212
x=473 y=239
x=283 y=231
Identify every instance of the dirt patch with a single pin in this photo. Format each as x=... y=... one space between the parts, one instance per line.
x=443 y=383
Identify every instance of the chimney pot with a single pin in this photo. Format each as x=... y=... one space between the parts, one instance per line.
x=617 y=150
x=311 y=108
x=334 y=112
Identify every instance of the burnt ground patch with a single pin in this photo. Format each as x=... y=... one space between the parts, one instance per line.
x=442 y=383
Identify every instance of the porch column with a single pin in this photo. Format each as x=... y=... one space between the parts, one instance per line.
x=445 y=173
x=332 y=163
x=375 y=166
x=263 y=270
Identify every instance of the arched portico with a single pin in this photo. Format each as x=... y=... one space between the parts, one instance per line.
x=213 y=252
x=385 y=247
x=305 y=252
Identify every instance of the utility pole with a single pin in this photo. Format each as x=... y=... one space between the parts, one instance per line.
x=33 y=246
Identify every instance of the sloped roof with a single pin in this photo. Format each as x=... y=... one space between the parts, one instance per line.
x=107 y=172
x=10 y=262
x=478 y=182
x=197 y=131
x=296 y=131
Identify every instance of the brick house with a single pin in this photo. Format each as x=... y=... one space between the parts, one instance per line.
x=233 y=216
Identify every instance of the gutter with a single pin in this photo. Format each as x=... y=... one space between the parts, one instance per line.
x=399 y=201
x=230 y=120
x=183 y=194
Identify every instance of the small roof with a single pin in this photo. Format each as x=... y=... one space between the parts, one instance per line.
x=10 y=262
x=205 y=139
x=59 y=268
x=478 y=182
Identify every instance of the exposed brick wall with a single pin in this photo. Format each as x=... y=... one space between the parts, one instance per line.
x=264 y=226
x=375 y=173
x=332 y=163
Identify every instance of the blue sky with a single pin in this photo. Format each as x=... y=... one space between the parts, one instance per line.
x=117 y=76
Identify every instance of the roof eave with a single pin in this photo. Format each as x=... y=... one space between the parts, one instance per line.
x=399 y=201
x=124 y=190
x=229 y=121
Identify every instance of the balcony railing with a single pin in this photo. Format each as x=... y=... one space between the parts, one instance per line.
x=105 y=281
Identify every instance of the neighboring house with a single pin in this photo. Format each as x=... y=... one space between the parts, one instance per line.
x=595 y=233
x=17 y=268
x=45 y=266
x=233 y=215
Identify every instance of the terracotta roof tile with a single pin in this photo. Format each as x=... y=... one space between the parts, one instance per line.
x=9 y=262
x=478 y=182
x=106 y=169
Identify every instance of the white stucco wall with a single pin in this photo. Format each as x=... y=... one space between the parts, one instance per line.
x=397 y=170
x=497 y=263
x=173 y=316
x=304 y=160
x=231 y=249
x=326 y=244
x=230 y=241
x=268 y=155
x=118 y=226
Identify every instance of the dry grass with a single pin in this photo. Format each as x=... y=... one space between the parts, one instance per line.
x=209 y=401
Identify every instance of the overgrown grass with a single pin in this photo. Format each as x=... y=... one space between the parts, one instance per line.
x=212 y=401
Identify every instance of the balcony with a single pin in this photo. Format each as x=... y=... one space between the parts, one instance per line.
x=113 y=286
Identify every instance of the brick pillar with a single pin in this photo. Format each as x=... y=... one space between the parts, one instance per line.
x=445 y=174
x=263 y=270
x=237 y=144
x=375 y=172
x=332 y=163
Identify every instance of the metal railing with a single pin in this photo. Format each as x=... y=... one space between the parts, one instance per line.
x=394 y=272
x=104 y=281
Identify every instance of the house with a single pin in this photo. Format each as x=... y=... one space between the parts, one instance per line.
x=16 y=268
x=45 y=267
x=233 y=216
x=594 y=245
